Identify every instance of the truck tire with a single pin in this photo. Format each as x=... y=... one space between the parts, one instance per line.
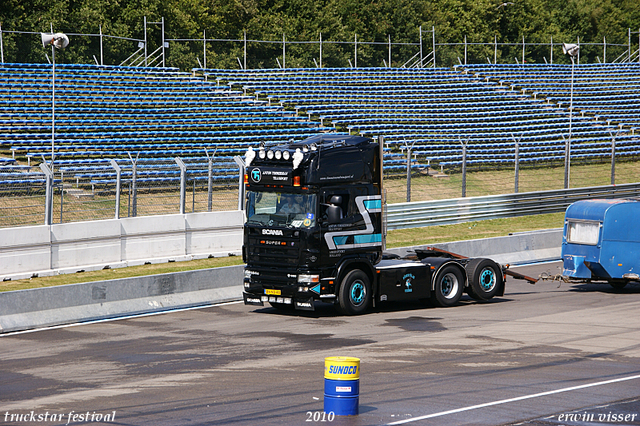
x=484 y=277
x=449 y=284
x=355 y=293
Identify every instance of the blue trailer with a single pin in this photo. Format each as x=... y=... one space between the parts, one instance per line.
x=601 y=242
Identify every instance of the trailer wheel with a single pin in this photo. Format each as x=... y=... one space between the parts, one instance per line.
x=355 y=293
x=448 y=287
x=485 y=278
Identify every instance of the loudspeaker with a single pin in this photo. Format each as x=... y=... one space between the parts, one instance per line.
x=59 y=40
x=570 y=49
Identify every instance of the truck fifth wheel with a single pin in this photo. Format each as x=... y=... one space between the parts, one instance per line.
x=315 y=231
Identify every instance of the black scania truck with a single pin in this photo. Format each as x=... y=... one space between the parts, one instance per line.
x=315 y=230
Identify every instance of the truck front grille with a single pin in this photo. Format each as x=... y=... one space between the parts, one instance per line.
x=285 y=253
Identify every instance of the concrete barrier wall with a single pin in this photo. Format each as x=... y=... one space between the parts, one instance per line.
x=42 y=307
x=71 y=247
x=25 y=249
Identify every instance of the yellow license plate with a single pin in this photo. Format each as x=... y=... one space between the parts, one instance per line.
x=272 y=292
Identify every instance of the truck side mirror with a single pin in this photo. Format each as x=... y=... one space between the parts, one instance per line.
x=334 y=211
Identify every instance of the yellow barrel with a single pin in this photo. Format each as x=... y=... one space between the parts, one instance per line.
x=342 y=368
x=341 y=385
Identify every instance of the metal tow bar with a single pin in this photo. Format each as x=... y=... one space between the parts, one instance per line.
x=505 y=269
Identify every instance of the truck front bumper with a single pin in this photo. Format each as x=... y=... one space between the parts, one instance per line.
x=302 y=304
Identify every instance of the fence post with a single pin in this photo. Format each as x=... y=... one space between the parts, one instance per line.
x=133 y=193
x=613 y=157
x=433 y=35
x=183 y=183
x=145 y=41
x=61 y=200
x=114 y=164
x=241 y=165
x=465 y=49
x=464 y=167
x=495 y=49
x=101 y=49
x=320 y=50
x=210 y=181
x=284 y=52
x=517 y=161
x=408 y=174
x=409 y=149
x=204 y=47
x=421 y=54
x=48 y=207
x=355 y=50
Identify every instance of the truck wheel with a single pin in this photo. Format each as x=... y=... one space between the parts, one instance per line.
x=448 y=286
x=485 y=278
x=355 y=293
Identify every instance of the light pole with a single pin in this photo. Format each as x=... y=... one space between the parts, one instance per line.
x=57 y=41
x=572 y=50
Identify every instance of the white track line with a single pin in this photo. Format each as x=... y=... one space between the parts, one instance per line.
x=146 y=314
x=520 y=398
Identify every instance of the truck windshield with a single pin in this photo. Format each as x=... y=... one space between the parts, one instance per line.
x=281 y=209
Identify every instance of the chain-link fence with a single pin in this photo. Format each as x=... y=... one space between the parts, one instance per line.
x=143 y=188
x=161 y=186
x=472 y=180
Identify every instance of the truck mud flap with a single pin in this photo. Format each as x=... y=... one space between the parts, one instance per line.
x=251 y=299
x=304 y=304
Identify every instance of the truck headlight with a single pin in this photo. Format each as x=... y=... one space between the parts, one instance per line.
x=305 y=278
x=248 y=273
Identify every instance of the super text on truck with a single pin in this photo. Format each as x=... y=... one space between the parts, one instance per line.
x=314 y=231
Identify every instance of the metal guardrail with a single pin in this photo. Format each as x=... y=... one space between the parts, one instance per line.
x=458 y=210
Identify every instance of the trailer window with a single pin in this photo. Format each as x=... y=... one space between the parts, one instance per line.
x=583 y=232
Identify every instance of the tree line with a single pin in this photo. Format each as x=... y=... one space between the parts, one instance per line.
x=338 y=22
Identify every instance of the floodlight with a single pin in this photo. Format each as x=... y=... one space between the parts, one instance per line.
x=298 y=156
x=59 y=40
x=570 y=49
x=249 y=156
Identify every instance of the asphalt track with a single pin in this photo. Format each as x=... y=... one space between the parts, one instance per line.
x=541 y=355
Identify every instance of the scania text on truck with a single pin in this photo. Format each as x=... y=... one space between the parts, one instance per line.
x=315 y=231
